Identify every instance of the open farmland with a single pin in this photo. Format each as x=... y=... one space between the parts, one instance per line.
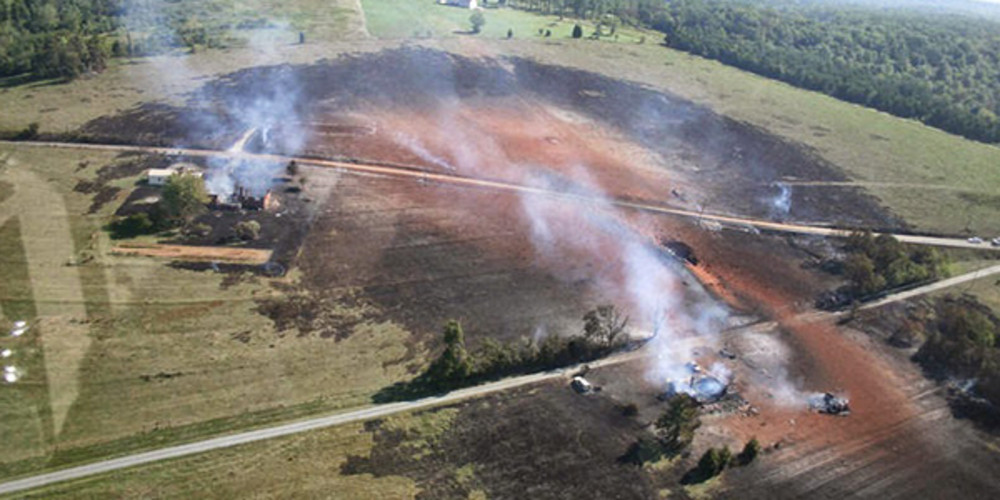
x=394 y=457
x=128 y=350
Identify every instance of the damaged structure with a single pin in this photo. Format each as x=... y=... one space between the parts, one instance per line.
x=242 y=199
x=830 y=404
x=704 y=388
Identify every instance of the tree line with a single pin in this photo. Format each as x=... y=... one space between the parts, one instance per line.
x=873 y=265
x=56 y=38
x=67 y=38
x=938 y=67
x=961 y=341
x=603 y=333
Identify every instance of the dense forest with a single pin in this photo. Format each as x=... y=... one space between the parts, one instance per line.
x=941 y=67
x=66 y=38
x=50 y=38
x=905 y=57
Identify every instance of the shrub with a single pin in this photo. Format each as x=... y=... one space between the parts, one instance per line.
x=247 y=230
x=478 y=20
x=132 y=226
x=30 y=132
x=750 y=452
x=630 y=410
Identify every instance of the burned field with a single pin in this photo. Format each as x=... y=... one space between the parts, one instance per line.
x=547 y=441
x=379 y=263
x=510 y=119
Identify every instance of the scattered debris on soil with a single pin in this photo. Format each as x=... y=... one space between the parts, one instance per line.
x=830 y=404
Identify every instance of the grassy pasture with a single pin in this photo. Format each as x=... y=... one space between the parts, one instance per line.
x=427 y=19
x=147 y=354
x=303 y=465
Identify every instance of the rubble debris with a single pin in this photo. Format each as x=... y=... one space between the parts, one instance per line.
x=726 y=353
x=680 y=250
x=830 y=404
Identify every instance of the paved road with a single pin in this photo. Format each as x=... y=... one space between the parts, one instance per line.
x=933 y=287
x=414 y=173
x=407 y=406
x=367 y=413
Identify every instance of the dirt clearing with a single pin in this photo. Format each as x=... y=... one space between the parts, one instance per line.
x=194 y=254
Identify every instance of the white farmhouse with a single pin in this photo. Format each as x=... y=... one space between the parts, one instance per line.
x=159 y=176
x=465 y=4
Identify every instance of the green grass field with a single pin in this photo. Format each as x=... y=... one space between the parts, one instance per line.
x=302 y=466
x=127 y=353
x=427 y=19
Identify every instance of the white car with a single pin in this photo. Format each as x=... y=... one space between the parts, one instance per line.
x=581 y=385
x=975 y=240
x=996 y=242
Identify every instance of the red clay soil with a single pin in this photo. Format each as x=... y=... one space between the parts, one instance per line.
x=899 y=440
x=508 y=139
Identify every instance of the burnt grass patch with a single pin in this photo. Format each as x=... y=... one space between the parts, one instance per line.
x=422 y=258
x=739 y=162
x=543 y=442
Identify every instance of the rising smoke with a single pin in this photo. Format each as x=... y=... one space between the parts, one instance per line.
x=781 y=203
x=273 y=99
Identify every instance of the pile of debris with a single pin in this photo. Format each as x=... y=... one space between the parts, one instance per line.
x=830 y=404
x=703 y=387
x=242 y=199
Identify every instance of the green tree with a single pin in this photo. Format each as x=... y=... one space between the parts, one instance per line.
x=860 y=270
x=131 y=226
x=453 y=365
x=750 y=452
x=184 y=197
x=675 y=428
x=577 y=31
x=711 y=464
x=478 y=20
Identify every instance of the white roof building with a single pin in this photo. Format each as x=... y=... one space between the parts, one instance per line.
x=468 y=4
x=159 y=176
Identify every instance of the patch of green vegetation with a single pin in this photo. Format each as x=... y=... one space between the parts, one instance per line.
x=159 y=354
x=422 y=430
x=428 y=19
x=16 y=298
x=875 y=264
x=6 y=191
x=455 y=367
x=300 y=466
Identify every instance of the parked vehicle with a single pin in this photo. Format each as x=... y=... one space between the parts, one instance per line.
x=581 y=385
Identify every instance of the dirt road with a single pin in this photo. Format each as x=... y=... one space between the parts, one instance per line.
x=422 y=176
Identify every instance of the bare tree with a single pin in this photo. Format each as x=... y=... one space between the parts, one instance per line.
x=603 y=325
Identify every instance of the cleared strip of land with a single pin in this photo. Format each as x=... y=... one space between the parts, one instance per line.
x=195 y=253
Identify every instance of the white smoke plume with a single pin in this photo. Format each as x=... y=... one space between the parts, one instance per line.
x=272 y=99
x=781 y=203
